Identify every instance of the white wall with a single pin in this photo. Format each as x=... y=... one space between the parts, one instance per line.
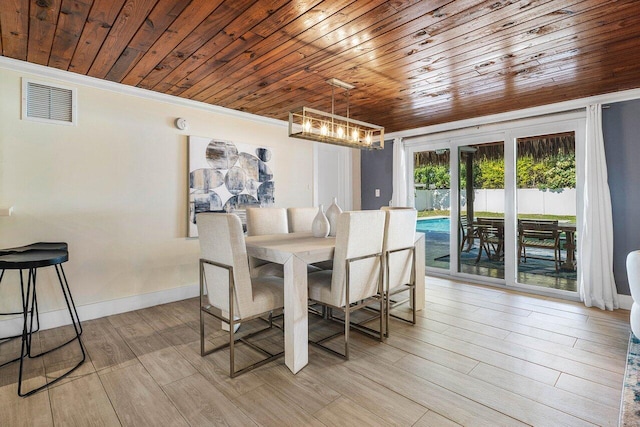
x=530 y=201
x=115 y=188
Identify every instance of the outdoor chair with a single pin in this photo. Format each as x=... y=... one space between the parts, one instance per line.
x=541 y=234
x=491 y=234
x=468 y=234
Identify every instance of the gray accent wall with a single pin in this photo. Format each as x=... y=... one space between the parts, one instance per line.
x=621 y=129
x=376 y=171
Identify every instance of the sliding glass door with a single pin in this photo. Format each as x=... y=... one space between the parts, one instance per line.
x=502 y=205
x=481 y=209
x=432 y=196
x=546 y=208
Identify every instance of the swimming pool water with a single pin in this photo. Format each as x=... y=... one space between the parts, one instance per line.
x=439 y=225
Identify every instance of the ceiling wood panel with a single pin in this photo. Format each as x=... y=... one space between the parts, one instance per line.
x=234 y=36
x=213 y=27
x=14 y=23
x=215 y=62
x=73 y=15
x=160 y=18
x=292 y=36
x=413 y=63
x=129 y=20
x=271 y=74
x=98 y=25
x=184 y=24
x=43 y=16
x=441 y=59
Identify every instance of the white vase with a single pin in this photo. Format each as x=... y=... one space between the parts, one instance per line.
x=333 y=212
x=320 y=225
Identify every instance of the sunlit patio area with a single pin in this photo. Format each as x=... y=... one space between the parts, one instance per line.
x=539 y=267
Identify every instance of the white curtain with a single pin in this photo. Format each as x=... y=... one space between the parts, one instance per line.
x=595 y=246
x=399 y=197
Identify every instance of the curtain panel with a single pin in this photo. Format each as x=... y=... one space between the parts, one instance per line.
x=595 y=246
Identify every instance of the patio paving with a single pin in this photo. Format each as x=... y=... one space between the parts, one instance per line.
x=533 y=272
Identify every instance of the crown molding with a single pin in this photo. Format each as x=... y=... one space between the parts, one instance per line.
x=559 y=107
x=79 y=79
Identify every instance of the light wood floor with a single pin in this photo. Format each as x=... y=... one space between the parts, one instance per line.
x=478 y=356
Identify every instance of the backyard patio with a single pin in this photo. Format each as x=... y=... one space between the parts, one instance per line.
x=539 y=270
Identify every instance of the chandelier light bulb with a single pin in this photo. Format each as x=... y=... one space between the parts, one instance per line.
x=340 y=132
x=307 y=126
x=323 y=130
x=355 y=134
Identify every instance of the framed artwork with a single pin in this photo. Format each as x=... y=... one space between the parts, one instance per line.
x=227 y=177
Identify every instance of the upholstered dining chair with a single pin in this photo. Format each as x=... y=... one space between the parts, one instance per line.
x=232 y=296
x=301 y=219
x=261 y=221
x=356 y=278
x=399 y=259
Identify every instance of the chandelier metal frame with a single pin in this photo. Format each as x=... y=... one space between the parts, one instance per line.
x=316 y=125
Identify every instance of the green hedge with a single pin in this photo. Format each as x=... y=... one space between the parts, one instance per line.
x=552 y=173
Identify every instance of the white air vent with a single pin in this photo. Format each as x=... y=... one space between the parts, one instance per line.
x=45 y=102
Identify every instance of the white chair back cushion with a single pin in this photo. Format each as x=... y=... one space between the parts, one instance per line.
x=359 y=233
x=222 y=241
x=261 y=221
x=301 y=219
x=400 y=230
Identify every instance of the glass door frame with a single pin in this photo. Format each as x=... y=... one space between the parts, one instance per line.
x=577 y=124
x=508 y=132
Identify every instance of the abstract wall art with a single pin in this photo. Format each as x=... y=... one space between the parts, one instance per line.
x=225 y=176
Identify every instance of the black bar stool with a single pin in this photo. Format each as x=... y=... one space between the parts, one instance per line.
x=32 y=257
x=34 y=246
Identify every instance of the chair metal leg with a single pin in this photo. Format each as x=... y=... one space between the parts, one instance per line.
x=382 y=330
x=413 y=309
x=230 y=318
x=387 y=299
x=347 y=312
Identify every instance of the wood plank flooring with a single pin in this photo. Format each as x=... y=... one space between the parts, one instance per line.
x=477 y=356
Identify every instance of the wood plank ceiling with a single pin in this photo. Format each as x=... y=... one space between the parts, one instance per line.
x=414 y=63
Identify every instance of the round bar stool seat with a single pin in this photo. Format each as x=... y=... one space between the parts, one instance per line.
x=31 y=257
x=40 y=246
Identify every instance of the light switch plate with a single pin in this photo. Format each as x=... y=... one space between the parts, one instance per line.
x=377 y=192
x=6 y=211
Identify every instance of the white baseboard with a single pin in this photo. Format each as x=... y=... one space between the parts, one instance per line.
x=625 y=301
x=56 y=318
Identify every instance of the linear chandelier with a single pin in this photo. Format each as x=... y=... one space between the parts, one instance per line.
x=315 y=125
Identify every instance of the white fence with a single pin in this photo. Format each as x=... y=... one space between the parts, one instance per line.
x=530 y=201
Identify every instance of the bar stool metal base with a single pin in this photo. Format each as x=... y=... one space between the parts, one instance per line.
x=31 y=258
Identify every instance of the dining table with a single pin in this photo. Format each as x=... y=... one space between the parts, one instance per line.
x=569 y=229
x=295 y=251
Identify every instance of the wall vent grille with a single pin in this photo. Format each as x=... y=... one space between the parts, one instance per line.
x=43 y=102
